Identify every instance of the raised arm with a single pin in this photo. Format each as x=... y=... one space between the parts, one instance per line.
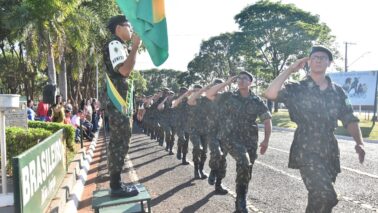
x=276 y=85
x=192 y=100
x=160 y=107
x=128 y=65
x=213 y=91
x=177 y=101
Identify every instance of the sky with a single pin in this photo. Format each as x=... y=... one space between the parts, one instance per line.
x=190 y=22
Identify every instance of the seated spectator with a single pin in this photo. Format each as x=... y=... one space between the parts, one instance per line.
x=30 y=111
x=78 y=119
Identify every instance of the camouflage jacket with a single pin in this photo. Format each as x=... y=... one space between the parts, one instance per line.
x=237 y=117
x=203 y=116
x=316 y=113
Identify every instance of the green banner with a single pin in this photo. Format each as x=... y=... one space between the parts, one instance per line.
x=38 y=173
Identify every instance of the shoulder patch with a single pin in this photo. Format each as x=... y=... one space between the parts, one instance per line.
x=117 y=53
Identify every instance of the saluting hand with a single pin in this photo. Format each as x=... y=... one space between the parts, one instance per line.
x=231 y=79
x=361 y=152
x=298 y=64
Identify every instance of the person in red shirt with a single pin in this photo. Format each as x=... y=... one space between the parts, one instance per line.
x=42 y=110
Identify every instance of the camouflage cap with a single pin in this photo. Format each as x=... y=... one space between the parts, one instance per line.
x=197 y=86
x=319 y=48
x=217 y=81
x=248 y=74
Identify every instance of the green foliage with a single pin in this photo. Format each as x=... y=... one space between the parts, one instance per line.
x=140 y=84
x=161 y=78
x=279 y=33
x=20 y=140
x=69 y=130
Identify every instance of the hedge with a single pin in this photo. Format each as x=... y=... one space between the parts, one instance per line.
x=69 y=130
x=20 y=140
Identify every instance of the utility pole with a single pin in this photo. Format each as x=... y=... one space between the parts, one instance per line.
x=346 y=54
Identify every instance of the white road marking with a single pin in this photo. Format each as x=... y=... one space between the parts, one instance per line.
x=343 y=167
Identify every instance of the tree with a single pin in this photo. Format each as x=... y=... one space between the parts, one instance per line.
x=279 y=33
x=218 y=58
x=161 y=78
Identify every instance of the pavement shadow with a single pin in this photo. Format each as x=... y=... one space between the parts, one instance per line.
x=157 y=174
x=195 y=206
x=141 y=149
x=150 y=161
x=146 y=144
x=141 y=156
x=171 y=192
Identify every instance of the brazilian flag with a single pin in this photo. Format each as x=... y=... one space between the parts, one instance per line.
x=147 y=18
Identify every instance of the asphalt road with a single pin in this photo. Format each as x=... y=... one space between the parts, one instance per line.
x=274 y=187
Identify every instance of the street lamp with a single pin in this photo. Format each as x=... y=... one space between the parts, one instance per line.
x=361 y=56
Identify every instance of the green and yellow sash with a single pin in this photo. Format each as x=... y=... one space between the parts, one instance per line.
x=125 y=106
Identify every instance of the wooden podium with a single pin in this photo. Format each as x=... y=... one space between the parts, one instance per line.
x=103 y=203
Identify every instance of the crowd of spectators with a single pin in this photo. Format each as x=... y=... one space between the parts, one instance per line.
x=84 y=118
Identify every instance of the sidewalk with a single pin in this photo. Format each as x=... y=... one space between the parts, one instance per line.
x=170 y=184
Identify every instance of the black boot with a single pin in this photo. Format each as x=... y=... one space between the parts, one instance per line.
x=200 y=167
x=121 y=190
x=211 y=179
x=218 y=187
x=241 y=199
x=196 y=172
x=178 y=155
x=171 y=147
x=184 y=162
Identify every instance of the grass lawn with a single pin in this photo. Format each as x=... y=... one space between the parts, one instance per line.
x=281 y=119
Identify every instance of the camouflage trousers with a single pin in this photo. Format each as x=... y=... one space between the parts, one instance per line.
x=245 y=158
x=159 y=131
x=119 y=132
x=218 y=155
x=182 y=141
x=199 y=142
x=321 y=193
x=169 y=135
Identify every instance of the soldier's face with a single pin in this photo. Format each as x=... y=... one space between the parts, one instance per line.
x=319 y=62
x=244 y=81
x=125 y=31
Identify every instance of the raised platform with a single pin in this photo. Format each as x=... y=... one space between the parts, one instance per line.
x=102 y=202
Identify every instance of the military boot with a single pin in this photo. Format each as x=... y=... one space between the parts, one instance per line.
x=170 y=148
x=218 y=187
x=211 y=179
x=178 y=155
x=184 y=162
x=119 y=189
x=241 y=199
x=200 y=167
x=196 y=172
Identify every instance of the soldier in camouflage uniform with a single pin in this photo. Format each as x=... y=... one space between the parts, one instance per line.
x=198 y=131
x=155 y=116
x=167 y=113
x=205 y=112
x=238 y=130
x=119 y=64
x=315 y=104
x=160 y=117
x=181 y=106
